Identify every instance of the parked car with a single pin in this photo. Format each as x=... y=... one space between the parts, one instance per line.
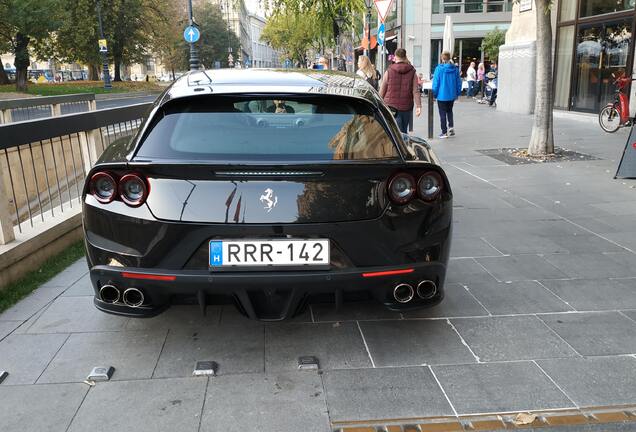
x=270 y=190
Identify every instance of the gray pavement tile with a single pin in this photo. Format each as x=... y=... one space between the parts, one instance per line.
x=590 y=266
x=74 y=315
x=385 y=393
x=337 y=346
x=595 y=333
x=39 y=408
x=621 y=208
x=499 y=387
x=414 y=343
x=626 y=260
x=69 y=275
x=595 y=294
x=353 y=311
x=31 y=304
x=7 y=327
x=521 y=267
x=521 y=297
x=630 y=313
x=472 y=247
x=82 y=287
x=285 y=402
x=132 y=354
x=147 y=405
x=531 y=244
x=623 y=238
x=236 y=349
x=511 y=338
x=458 y=302
x=585 y=243
x=26 y=356
x=178 y=316
x=595 y=381
x=466 y=270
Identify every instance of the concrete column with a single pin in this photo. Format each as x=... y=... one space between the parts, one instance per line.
x=56 y=110
x=5 y=116
x=90 y=145
x=6 y=222
x=92 y=105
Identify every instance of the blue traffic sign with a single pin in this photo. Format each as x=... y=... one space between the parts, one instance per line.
x=381 y=33
x=191 y=34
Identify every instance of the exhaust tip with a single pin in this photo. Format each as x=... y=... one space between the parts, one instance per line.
x=109 y=294
x=133 y=297
x=403 y=293
x=426 y=289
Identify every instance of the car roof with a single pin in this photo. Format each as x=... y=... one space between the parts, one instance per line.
x=274 y=81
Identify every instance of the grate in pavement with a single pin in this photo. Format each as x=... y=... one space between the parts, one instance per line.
x=517 y=156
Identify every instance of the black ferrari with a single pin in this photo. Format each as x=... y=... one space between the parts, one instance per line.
x=268 y=189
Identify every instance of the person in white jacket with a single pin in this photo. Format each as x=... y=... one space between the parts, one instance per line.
x=471 y=77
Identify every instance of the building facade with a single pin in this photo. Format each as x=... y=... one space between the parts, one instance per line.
x=263 y=55
x=236 y=15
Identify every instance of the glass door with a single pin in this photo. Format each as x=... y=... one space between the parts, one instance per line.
x=602 y=49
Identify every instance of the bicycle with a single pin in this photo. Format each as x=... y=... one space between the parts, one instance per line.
x=615 y=115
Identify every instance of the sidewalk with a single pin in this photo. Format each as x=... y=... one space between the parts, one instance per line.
x=540 y=314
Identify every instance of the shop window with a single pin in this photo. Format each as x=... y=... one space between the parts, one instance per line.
x=452 y=6
x=417 y=56
x=598 y=7
x=474 y=6
x=568 y=10
x=563 y=67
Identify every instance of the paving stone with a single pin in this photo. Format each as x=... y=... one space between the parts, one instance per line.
x=40 y=408
x=74 y=315
x=178 y=316
x=69 y=275
x=150 y=405
x=132 y=354
x=511 y=338
x=285 y=402
x=466 y=270
x=337 y=346
x=631 y=314
x=26 y=356
x=7 y=327
x=472 y=247
x=82 y=287
x=497 y=387
x=624 y=208
x=519 y=297
x=521 y=267
x=595 y=333
x=620 y=236
x=353 y=311
x=595 y=381
x=595 y=294
x=385 y=393
x=531 y=244
x=31 y=304
x=589 y=266
x=414 y=343
x=458 y=302
x=582 y=243
x=236 y=349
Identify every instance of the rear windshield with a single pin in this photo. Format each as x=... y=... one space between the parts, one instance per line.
x=277 y=129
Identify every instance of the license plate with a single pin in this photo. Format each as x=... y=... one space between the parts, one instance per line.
x=259 y=253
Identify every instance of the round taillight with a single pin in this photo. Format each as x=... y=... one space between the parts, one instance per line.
x=103 y=187
x=401 y=188
x=133 y=190
x=429 y=185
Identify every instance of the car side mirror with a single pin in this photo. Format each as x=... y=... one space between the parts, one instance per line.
x=419 y=147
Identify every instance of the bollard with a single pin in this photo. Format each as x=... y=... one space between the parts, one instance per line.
x=56 y=110
x=430 y=114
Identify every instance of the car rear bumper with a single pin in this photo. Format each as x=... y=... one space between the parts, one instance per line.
x=265 y=295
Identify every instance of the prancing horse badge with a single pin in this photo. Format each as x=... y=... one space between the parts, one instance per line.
x=269 y=200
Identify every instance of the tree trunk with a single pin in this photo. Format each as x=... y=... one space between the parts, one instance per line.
x=93 y=73
x=22 y=61
x=542 y=138
x=4 y=79
x=117 y=66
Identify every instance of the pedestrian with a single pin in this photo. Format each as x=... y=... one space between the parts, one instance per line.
x=492 y=76
x=447 y=86
x=367 y=71
x=471 y=77
x=399 y=90
x=420 y=82
x=481 y=72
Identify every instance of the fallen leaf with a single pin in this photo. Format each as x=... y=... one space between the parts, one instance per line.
x=524 y=419
x=90 y=383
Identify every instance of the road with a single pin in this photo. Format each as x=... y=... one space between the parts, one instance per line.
x=123 y=101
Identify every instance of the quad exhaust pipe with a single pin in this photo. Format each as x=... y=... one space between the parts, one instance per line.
x=426 y=289
x=133 y=297
x=403 y=293
x=109 y=294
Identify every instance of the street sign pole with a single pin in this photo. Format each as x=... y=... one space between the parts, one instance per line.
x=189 y=34
x=104 y=50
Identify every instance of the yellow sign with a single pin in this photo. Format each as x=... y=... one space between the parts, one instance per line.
x=103 y=46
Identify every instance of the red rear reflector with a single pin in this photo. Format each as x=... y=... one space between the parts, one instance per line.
x=634 y=145
x=148 y=276
x=388 y=273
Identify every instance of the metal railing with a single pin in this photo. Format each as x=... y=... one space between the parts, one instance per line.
x=14 y=110
x=43 y=162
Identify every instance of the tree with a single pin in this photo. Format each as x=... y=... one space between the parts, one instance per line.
x=5 y=37
x=26 y=22
x=542 y=137
x=292 y=33
x=215 y=36
x=491 y=43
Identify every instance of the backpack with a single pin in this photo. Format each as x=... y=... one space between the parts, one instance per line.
x=374 y=80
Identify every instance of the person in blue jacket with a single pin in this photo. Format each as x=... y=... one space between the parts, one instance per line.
x=447 y=87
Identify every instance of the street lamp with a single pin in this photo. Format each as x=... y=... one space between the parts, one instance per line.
x=368 y=4
x=103 y=50
x=194 y=53
x=339 y=19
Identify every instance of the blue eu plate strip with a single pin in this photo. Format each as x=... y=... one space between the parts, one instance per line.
x=216 y=253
